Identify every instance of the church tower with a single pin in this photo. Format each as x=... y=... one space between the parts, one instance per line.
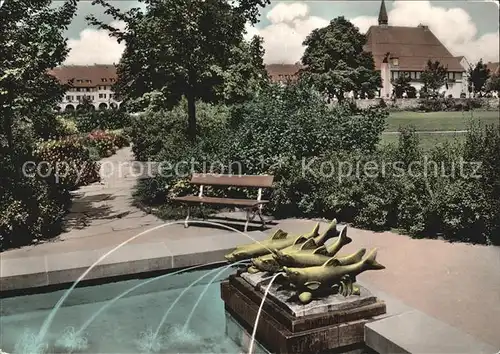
x=383 y=19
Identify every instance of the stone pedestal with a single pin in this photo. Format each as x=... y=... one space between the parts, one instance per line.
x=332 y=324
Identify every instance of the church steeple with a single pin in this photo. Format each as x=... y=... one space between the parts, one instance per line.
x=383 y=19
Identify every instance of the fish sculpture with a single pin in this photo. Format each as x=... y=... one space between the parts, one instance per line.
x=310 y=255
x=317 y=257
x=269 y=264
x=278 y=240
x=328 y=277
x=343 y=240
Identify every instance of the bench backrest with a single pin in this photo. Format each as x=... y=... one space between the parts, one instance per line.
x=232 y=180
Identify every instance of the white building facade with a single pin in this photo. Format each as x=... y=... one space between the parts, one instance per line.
x=92 y=83
x=399 y=50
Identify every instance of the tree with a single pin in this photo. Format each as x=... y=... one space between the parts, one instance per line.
x=402 y=85
x=335 y=62
x=477 y=77
x=493 y=83
x=179 y=48
x=31 y=43
x=246 y=72
x=434 y=77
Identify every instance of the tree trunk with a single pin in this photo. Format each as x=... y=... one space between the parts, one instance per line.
x=191 y=116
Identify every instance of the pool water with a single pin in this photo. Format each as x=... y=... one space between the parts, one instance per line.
x=129 y=324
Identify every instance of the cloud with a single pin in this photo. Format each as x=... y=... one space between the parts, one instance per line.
x=95 y=47
x=364 y=22
x=283 y=12
x=291 y=23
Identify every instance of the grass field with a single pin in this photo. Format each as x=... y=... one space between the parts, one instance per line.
x=439 y=121
x=427 y=140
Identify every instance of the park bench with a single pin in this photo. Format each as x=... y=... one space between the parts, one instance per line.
x=253 y=207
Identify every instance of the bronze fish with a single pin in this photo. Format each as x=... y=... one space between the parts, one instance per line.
x=319 y=256
x=311 y=279
x=278 y=240
x=268 y=263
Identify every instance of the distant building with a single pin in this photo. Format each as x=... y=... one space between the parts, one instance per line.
x=94 y=82
x=406 y=51
x=283 y=73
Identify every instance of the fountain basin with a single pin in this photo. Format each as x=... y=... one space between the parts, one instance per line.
x=127 y=325
x=332 y=324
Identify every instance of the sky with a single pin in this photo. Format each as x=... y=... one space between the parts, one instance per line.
x=469 y=28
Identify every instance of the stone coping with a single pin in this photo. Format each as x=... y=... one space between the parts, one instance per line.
x=404 y=330
x=63 y=268
x=415 y=332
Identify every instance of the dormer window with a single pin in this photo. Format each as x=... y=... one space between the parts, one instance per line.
x=104 y=79
x=395 y=61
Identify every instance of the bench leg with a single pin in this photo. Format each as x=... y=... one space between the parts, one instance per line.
x=186 y=225
x=261 y=217
x=248 y=219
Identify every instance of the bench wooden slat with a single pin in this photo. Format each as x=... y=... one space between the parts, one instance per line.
x=232 y=180
x=220 y=201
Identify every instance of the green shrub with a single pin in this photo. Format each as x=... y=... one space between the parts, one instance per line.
x=31 y=207
x=482 y=146
x=66 y=127
x=438 y=104
x=161 y=136
x=296 y=121
x=68 y=161
x=87 y=121
x=103 y=142
x=120 y=140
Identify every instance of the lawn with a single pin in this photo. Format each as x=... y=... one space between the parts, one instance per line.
x=438 y=121
x=427 y=140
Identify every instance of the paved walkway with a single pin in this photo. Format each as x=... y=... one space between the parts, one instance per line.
x=456 y=283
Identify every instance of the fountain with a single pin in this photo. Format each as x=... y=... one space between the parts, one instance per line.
x=300 y=296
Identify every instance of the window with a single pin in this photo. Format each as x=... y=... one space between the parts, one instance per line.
x=78 y=98
x=104 y=79
x=394 y=75
x=68 y=98
x=418 y=75
x=458 y=76
x=77 y=89
x=395 y=61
